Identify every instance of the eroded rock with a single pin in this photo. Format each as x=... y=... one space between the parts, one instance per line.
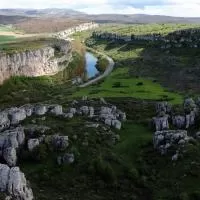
x=33 y=143
x=13 y=181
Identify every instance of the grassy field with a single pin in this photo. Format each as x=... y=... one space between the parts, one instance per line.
x=21 y=45
x=164 y=29
x=6 y=38
x=120 y=84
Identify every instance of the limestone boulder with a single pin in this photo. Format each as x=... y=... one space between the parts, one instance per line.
x=85 y=110
x=68 y=158
x=73 y=111
x=60 y=142
x=12 y=138
x=28 y=108
x=68 y=115
x=189 y=104
x=163 y=140
x=116 y=124
x=17 y=185
x=179 y=121
x=108 y=122
x=161 y=123
x=40 y=109
x=17 y=115
x=4 y=173
x=32 y=144
x=56 y=110
x=163 y=107
x=190 y=119
x=10 y=156
x=4 y=121
x=91 y=112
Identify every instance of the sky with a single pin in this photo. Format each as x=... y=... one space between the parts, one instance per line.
x=180 y=8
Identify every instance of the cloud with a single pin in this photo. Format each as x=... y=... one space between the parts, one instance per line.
x=182 y=8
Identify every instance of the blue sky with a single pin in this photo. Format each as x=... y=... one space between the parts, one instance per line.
x=182 y=8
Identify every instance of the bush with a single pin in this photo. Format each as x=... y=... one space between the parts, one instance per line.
x=140 y=83
x=104 y=170
x=195 y=195
x=117 y=85
x=184 y=196
x=40 y=153
x=133 y=174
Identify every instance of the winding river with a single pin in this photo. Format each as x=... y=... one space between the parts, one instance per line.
x=91 y=61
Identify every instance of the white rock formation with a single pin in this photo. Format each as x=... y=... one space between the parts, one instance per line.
x=161 y=123
x=40 y=109
x=17 y=115
x=13 y=181
x=10 y=156
x=163 y=140
x=60 y=142
x=57 y=110
x=4 y=121
x=33 y=143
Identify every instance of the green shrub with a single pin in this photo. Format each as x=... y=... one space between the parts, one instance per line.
x=184 y=196
x=104 y=170
x=133 y=174
x=195 y=195
x=117 y=85
x=40 y=153
x=140 y=83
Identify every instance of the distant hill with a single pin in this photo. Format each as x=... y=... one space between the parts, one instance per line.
x=47 y=24
x=12 y=19
x=140 y=19
x=50 y=12
x=14 y=16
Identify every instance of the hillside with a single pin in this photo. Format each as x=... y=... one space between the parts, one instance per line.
x=100 y=18
x=4 y=19
x=140 y=19
x=47 y=24
x=51 y=12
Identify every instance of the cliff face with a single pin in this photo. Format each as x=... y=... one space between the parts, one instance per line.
x=82 y=27
x=45 y=61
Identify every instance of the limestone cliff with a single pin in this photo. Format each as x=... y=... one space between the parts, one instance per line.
x=47 y=60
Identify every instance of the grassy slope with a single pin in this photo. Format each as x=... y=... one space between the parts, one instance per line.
x=21 y=45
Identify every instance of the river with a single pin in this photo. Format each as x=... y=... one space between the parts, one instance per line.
x=91 y=61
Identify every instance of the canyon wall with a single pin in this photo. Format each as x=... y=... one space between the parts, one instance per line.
x=82 y=27
x=47 y=60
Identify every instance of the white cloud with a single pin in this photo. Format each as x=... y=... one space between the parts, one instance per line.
x=183 y=8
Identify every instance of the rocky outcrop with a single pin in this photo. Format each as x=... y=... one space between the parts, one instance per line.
x=11 y=140
x=32 y=144
x=67 y=158
x=12 y=136
x=171 y=140
x=183 y=122
x=13 y=182
x=161 y=123
x=38 y=62
x=75 y=29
